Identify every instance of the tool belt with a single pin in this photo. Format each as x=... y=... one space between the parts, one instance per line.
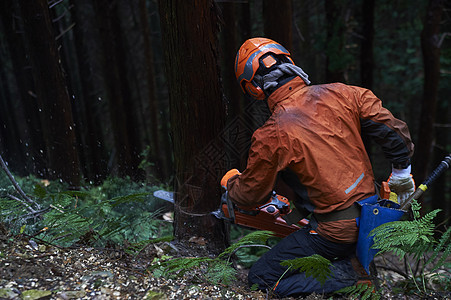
x=349 y=213
x=352 y=212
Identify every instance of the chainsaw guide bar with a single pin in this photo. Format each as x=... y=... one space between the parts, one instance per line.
x=164 y=195
x=269 y=216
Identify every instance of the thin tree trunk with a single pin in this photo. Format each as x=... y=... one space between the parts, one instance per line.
x=52 y=95
x=367 y=57
x=335 y=41
x=157 y=155
x=366 y=53
x=11 y=116
x=278 y=21
x=86 y=43
x=430 y=37
x=33 y=141
x=125 y=152
x=191 y=50
x=237 y=130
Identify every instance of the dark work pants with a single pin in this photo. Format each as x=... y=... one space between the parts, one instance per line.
x=267 y=270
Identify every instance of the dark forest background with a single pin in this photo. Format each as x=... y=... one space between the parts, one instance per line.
x=84 y=91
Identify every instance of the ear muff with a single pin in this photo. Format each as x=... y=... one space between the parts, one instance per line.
x=253 y=90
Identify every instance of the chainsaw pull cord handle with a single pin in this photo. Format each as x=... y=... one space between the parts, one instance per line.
x=442 y=167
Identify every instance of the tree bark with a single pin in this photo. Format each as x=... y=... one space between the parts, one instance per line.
x=430 y=37
x=125 y=152
x=366 y=53
x=367 y=56
x=86 y=41
x=278 y=22
x=51 y=91
x=14 y=132
x=190 y=45
x=33 y=142
x=157 y=156
x=334 y=41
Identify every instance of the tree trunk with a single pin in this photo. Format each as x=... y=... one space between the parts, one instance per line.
x=157 y=156
x=237 y=130
x=367 y=57
x=11 y=114
x=430 y=37
x=190 y=45
x=230 y=46
x=366 y=52
x=125 y=152
x=278 y=22
x=86 y=41
x=334 y=41
x=34 y=143
x=52 y=95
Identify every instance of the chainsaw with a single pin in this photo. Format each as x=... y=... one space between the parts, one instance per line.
x=277 y=215
x=271 y=216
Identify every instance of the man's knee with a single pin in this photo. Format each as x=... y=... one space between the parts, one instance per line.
x=259 y=276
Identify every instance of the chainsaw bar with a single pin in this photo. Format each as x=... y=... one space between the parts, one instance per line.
x=164 y=195
x=265 y=217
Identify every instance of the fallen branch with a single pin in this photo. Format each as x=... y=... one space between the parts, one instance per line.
x=17 y=187
x=23 y=203
x=34 y=215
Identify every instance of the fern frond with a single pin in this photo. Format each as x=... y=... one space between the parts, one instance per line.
x=140 y=197
x=314 y=266
x=10 y=209
x=403 y=237
x=361 y=291
x=180 y=265
x=215 y=270
x=255 y=237
x=444 y=248
x=220 y=271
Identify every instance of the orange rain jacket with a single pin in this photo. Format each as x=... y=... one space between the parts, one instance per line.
x=315 y=131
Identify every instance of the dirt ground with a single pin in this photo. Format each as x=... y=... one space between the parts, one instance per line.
x=30 y=269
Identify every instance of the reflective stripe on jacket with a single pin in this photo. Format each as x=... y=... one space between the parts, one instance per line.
x=315 y=131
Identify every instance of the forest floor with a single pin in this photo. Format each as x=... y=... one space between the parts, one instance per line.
x=30 y=269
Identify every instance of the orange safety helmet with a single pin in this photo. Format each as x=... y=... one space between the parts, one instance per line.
x=247 y=62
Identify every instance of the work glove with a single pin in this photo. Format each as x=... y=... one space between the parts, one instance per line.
x=227 y=176
x=401 y=182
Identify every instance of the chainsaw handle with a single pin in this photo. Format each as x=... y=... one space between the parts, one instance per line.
x=442 y=167
x=277 y=201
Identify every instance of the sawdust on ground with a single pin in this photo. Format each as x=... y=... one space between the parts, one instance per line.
x=35 y=270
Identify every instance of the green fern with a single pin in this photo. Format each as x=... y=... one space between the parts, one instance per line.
x=73 y=219
x=256 y=237
x=442 y=249
x=362 y=291
x=213 y=270
x=314 y=266
x=416 y=238
x=406 y=237
x=221 y=272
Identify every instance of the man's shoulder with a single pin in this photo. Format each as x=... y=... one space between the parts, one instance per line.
x=332 y=86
